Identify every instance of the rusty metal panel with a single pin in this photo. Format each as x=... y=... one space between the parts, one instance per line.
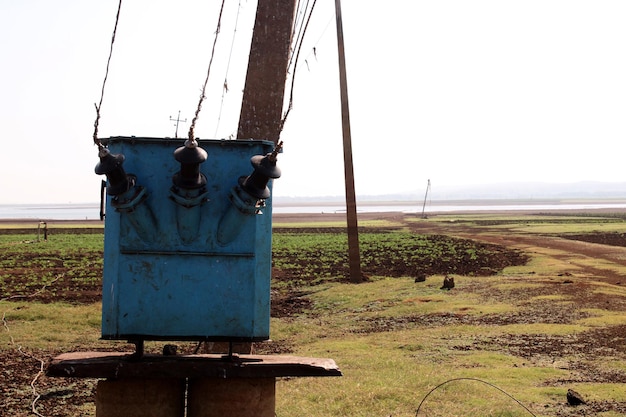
x=186 y=264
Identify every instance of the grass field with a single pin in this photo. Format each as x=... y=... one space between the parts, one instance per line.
x=539 y=307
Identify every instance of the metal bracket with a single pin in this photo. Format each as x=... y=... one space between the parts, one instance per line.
x=103 y=187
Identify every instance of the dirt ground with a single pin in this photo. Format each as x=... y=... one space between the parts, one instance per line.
x=573 y=284
x=19 y=367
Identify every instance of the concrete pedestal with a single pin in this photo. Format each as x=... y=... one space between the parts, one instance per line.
x=239 y=397
x=154 y=397
x=240 y=386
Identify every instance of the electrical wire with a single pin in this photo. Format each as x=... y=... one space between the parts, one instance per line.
x=313 y=50
x=230 y=54
x=471 y=379
x=20 y=349
x=299 y=25
x=42 y=363
x=295 y=64
x=208 y=73
x=297 y=22
x=295 y=58
x=96 y=140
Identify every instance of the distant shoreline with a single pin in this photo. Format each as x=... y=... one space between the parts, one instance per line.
x=362 y=216
x=456 y=202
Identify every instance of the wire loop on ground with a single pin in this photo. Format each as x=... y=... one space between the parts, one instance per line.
x=471 y=379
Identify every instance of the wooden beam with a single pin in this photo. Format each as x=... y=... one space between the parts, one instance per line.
x=123 y=365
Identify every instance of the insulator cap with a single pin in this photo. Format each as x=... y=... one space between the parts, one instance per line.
x=111 y=166
x=190 y=157
x=265 y=168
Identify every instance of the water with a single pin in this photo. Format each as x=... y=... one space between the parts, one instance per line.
x=50 y=211
x=91 y=211
x=448 y=208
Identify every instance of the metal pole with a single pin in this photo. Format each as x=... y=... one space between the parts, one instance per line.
x=353 y=227
x=177 y=120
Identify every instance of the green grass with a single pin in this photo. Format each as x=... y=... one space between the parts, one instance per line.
x=381 y=333
x=62 y=242
x=536 y=223
x=28 y=265
x=389 y=372
x=49 y=326
x=306 y=256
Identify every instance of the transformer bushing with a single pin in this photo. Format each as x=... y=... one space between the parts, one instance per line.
x=248 y=197
x=189 y=189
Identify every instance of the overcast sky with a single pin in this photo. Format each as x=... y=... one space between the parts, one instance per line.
x=459 y=92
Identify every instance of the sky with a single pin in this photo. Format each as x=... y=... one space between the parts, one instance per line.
x=460 y=92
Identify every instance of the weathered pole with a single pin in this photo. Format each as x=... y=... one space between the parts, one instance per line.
x=268 y=63
x=353 y=227
x=263 y=96
x=425 y=197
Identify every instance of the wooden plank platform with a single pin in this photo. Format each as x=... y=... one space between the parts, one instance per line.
x=123 y=365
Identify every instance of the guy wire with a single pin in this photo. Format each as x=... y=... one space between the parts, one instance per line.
x=295 y=65
x=298 y=28
x=206 y=80
x=230 y=54
x=96 y=141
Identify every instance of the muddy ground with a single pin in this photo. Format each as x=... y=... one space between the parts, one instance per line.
x=22 y=380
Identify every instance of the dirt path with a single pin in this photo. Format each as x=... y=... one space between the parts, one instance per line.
x=592 y=259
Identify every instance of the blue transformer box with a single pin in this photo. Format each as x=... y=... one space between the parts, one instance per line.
x=186 y=259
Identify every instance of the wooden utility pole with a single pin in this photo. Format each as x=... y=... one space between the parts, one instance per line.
x=263 y=96
x=425 y=197
x=354 y=253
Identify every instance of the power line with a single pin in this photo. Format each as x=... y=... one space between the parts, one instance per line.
x=206 y=80
x=298 y=47
x=230 y=54
x=96 y=141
